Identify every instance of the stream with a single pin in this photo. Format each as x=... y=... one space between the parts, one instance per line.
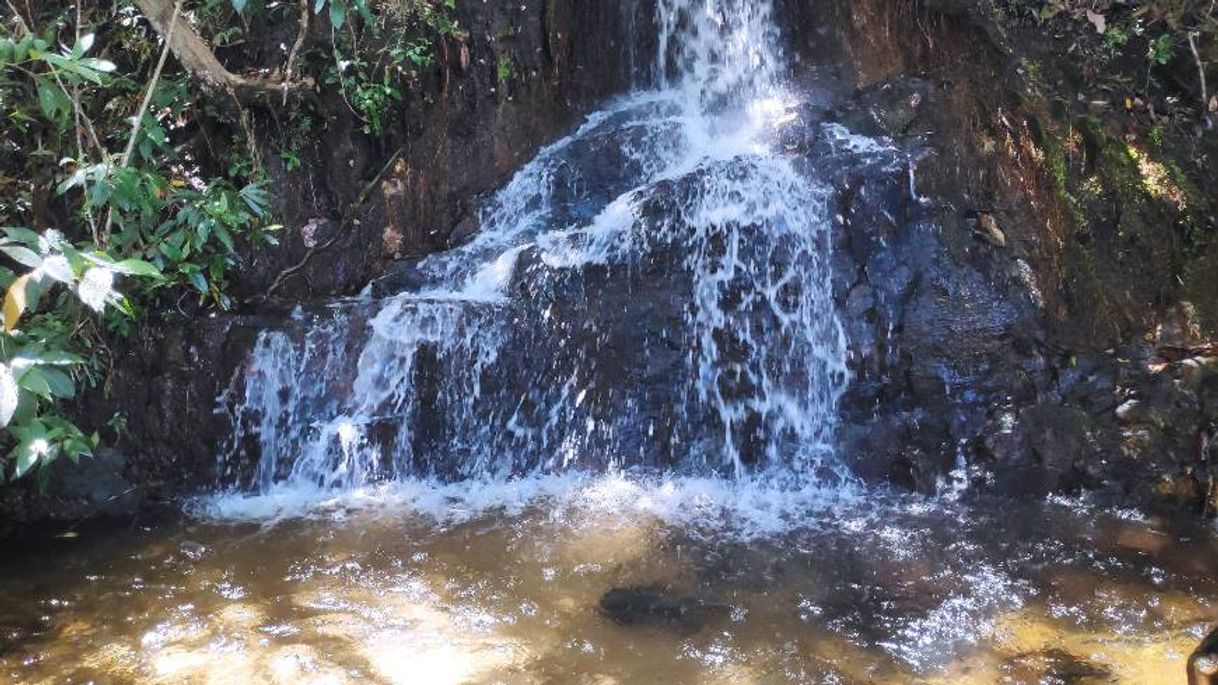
x=596 y=444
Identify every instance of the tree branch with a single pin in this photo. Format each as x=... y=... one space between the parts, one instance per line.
x=301 y=33
x=196 y=57
x=1192 y=44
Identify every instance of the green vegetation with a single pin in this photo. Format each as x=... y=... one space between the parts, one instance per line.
x=1179 y=35
x=130 y=189
x=505 y=70
x=369 y=78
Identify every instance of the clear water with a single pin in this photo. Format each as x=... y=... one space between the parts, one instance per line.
x=441 y=486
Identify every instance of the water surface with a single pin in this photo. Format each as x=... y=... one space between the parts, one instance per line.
x=502 y=583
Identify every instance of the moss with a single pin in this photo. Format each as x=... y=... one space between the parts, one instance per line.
x=505 y=70
x=1053 y=149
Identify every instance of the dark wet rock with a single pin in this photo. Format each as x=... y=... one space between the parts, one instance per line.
x=1133 y=412
x=888 y=109
x=1043 y=448
x=465 y=229
x=804 y=132
x=399 y=277
x=1203 y=664
x=99 y=484
x=655 y=607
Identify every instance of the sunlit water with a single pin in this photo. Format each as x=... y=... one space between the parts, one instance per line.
x=502 y=583
x=442 y=486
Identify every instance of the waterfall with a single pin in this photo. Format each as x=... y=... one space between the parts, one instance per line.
x=651 y=292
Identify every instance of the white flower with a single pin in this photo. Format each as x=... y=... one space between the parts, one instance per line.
x=96 y=288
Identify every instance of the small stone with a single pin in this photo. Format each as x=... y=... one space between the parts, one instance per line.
x=1129 y=411
x=988 y=230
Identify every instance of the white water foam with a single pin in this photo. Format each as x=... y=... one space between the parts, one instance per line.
x=738 y=509
x=421 y=385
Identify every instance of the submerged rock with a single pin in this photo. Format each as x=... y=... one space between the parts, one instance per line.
x=657 y=607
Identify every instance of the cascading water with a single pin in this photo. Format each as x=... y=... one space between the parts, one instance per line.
x=652 y=291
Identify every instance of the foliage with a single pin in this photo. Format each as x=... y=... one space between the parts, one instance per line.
x=1180 y=35
x=89 y=203
x=505 y=70
x=370 y=78
x=38 y=353
x=109 y=180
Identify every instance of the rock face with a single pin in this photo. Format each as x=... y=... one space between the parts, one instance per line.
x=990 y=343
x=516 y=76
x=987 y=347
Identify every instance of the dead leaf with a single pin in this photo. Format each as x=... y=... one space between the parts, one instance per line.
x=14 y=302
x=1214 y=103
x=1098 y=21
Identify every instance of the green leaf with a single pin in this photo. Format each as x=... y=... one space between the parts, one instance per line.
x=170 y=251
x=58 y=268
x=60 y=358
x=9 y=394
x=52 y=100
x=22 y=255
x=365 y=12
x=225 y=238
x=21 y=234
x=102 y=65
x=36 y=382
x=138 y=267
x=338 y=14
x=26 y=456
x=155 y=133
x=257 y=199
x=60 y=383
x=83 y=45
x=199 y=281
